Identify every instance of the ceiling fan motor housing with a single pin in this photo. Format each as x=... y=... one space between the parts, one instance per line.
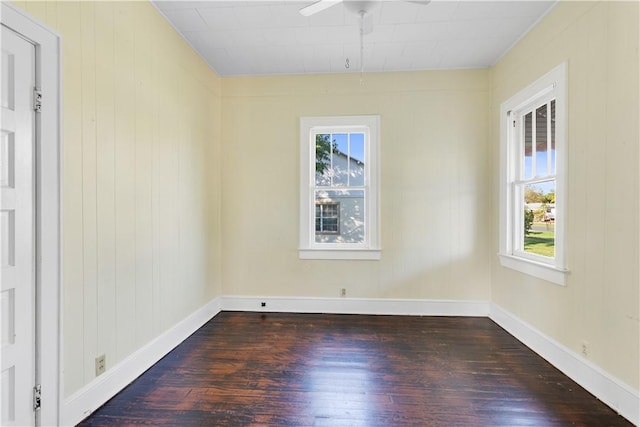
x=358 y=6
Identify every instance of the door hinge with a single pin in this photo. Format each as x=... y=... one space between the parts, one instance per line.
x=37 y=397
x=37 y=100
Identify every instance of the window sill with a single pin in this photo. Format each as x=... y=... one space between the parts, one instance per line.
x=344 y=254
x=542 y=271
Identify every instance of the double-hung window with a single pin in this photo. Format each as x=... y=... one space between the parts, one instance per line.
x=533 y=185
x=339 y=187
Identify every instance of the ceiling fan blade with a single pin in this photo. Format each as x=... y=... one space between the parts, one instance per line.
x=318 y=6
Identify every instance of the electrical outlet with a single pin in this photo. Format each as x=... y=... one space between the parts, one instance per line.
x=101 y=364
x=343 y=292
x=585 y=349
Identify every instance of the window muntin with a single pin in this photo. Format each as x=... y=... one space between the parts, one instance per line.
x=533 y=178
x=339 y=169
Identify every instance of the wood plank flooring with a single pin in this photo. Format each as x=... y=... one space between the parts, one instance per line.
x=256 y=369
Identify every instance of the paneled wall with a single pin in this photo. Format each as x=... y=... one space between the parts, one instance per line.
x=141 y=217
x=435 y=197
x=599 y=307
x=147 y=124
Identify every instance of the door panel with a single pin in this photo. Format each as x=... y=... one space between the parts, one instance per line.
x=17 y=296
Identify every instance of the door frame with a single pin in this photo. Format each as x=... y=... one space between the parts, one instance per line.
x=48 y=196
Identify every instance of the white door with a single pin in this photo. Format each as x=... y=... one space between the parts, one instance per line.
x=17 y=315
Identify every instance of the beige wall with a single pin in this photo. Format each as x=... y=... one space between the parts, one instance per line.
x=435 y=198
x=146 y=124
x=600 y=303
x=141 y=179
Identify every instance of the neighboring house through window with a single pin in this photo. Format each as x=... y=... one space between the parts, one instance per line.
x=533 y=185
x=339 y=187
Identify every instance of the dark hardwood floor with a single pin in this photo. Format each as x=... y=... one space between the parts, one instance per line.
x=256 y=369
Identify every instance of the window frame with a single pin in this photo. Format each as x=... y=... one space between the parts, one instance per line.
x=308 y=247
x=552 y=85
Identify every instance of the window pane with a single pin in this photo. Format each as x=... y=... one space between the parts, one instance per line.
x=356 y=157
x=324 y=147
x=342 y=142
x=541 y=141
x=553 y=137
x=339 y=160
x=528 y=146
x=341 y=214
x=539 y=218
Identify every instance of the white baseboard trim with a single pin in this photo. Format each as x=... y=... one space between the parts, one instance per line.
x=617 y=395
x=406 y=307
x=86 y=400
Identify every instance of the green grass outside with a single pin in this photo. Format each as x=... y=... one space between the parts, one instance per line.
x=540 y=243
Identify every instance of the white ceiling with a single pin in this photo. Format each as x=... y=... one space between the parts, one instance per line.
x=241 y=38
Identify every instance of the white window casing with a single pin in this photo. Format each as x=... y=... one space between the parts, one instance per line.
x=368 y=246
x=551 y=86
